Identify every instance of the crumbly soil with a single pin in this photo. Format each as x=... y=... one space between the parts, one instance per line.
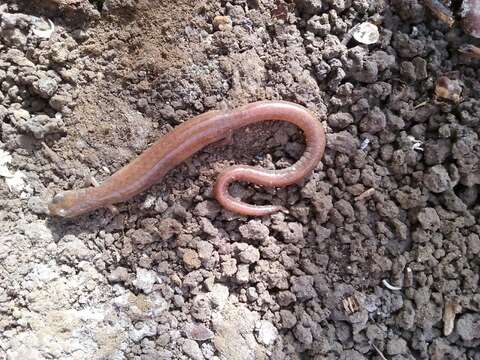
x=378 y=256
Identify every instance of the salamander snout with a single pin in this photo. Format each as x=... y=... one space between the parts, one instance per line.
x=57 y=206
x=68 y=204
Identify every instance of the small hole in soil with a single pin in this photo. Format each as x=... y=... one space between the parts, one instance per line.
x=98 y=4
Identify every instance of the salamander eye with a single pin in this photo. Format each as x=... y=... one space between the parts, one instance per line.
x=57 y=199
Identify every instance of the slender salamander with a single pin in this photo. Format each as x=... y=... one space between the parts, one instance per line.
x=187 y=139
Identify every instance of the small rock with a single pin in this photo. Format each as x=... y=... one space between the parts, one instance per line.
x=191 y=260
x=208 y=209
x=198 y=332
x=169 y=227
x=60 y=102
x=429 y=219
x=343 y=142
x=41 y=125
x=265 y=332
x=252 y=294
x=437 y=179
x=148 y=328
x=254 y=230
x=468 y=327
x=396 y=346
x=319 y=24
x=340 y=120
x=437 y=151
x=205 y=250
x=374 y=122
x=16 y=56
x=243 y=275
x=302 y=287
x=303 y=334
x=288 y=319
x=249 y=255
x=120 y=274
x=145 y=280
x=45 y=87
x=73 y=248
x=111 y=6
x=453 y=202
x=310 y=6
x=222 y=23
x=191 y=349
x=219 y=295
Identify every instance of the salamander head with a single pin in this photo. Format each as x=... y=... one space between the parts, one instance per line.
x=69 y=204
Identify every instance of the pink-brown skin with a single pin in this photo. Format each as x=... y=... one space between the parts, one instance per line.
x=187 y=139
x=470 y=14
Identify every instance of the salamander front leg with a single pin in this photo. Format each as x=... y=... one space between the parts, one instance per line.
x=113 y=209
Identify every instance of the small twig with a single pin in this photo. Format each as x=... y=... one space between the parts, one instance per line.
x=450 y=311
x=390 y=287
x=365 y=194
x=423 y=103
x=51 y=154
x=379 y=352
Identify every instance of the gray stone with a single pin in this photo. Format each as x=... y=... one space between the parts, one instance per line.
x=249 y=255
x=143 y=330
x=40 y=125
x=60 y=102
x=468 y=327
x=198 y=332
x=374 y=121
x=254 y=230
x=429 y=219
x=302 y=287
x=72 y=248
x=45 y=87
x=191 y=348
x=340 y=120
x=343 y=142
x=437 y=179
x=396 y=346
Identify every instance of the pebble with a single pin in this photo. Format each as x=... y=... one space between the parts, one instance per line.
x=396 y=346
x=143 y=330
x=243 y=275
x=248 y=253
x=191 y=348
x=73 y=249
x=468 y=326
x=222 y=23
x=254 y=230
x=265 y=332
x=45 y=87
x=119 y=274
x=343 y=142
x=436 y=179
x=60 y=102
x=374 y=122
x=302 y=287
x=198 y=332
x=429 y=219
x=191 y=259
x=340 y=120
x=145 y=279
